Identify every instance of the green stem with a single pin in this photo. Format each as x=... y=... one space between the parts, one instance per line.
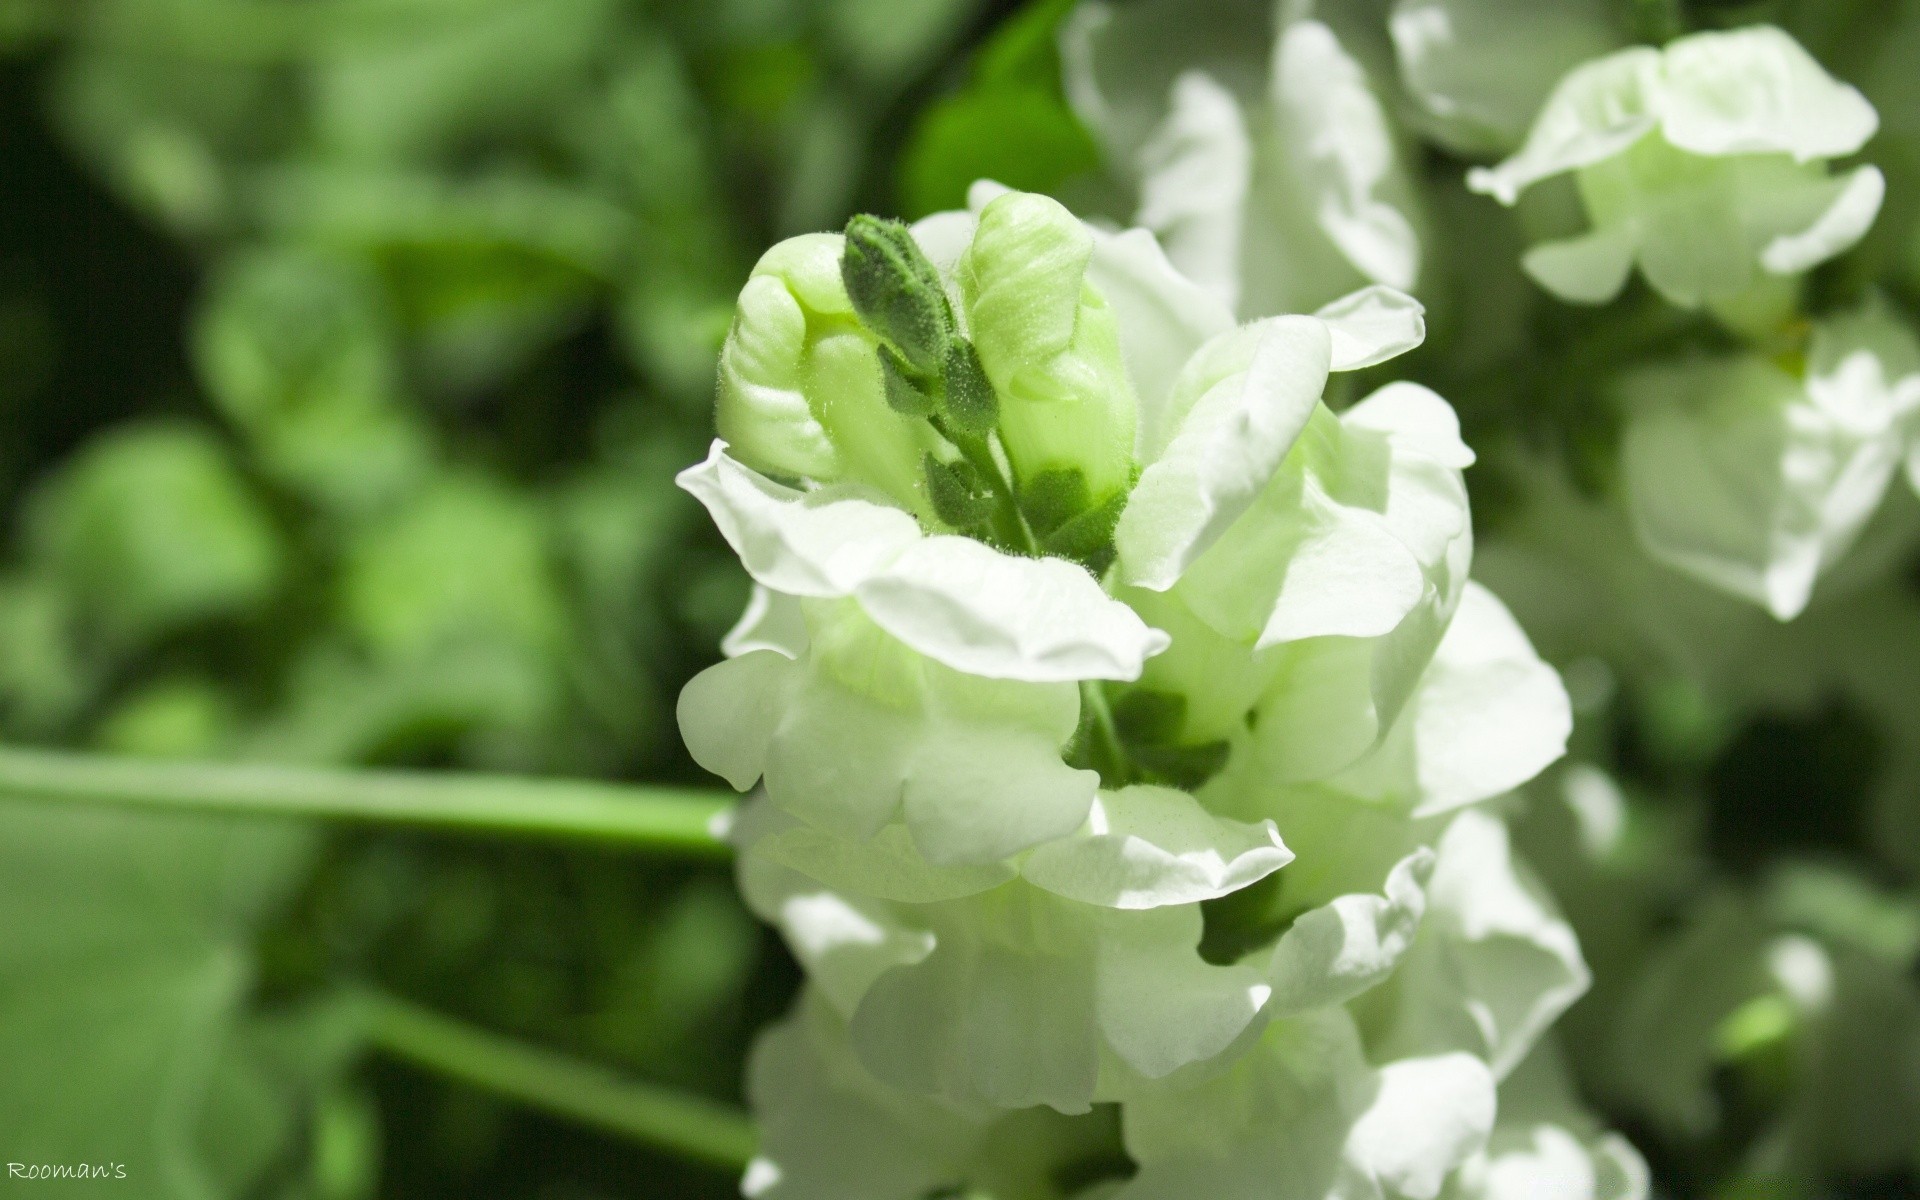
x=671 y=820
x=691 y=1126
x=1107 y=754
x=1009 y=524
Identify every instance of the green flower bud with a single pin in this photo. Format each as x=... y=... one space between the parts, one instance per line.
x=803 y=391
x=896 y=291
x=1050 y=344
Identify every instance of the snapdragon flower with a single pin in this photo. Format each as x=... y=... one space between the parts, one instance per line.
x=1705 y=164
x=1755 y=475
x=1263 y=152
x=1038 y=692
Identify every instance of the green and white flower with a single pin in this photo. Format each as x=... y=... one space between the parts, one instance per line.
x=1115 y=609
x=1262 y=151
x=1756 y=475
x=1704 y=164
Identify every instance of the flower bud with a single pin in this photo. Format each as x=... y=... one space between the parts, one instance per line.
x=1050 y=344
x=803 y=391
x=897 y=292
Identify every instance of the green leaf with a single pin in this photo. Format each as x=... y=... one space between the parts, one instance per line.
x=125 y=965
x=970 y=403
x=960 y=497
x=1052 y=498
x=904 y=394
x=1023 y=136
x=897 y=292
x=151 y=528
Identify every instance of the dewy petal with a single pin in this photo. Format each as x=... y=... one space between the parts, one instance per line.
x=1495 y=963
x=1372 y=325
x=964 y=604
x=1856 y=203
x=728 y=713
x=771 y=621
x=1489 y=714
x=1756 y=91
x=1194 y=176
x=793 y=542
x=1342 y=146
x=977 y=795
x=1335 y=952
x=1226 y=449
x=1163 y=318
x=1598 y=110
x=1146 y=847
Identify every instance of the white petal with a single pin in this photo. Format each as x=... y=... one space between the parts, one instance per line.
x=801 y=544
x=1589 y=269
x=1334 y=952
x=886 y=867
x=1160 y=1006
x=1145 y=847
x=1496 y=963
x=1342 y=146
x=1417 y=420
x=1489 y=714
x=1756 y=91
x=1194 y=175
x=1597 y=111
x=1163 y=316
x=771 y=621
x=976 y=795
x=1482 y=68
x=964 y=604
x=1844 y=222
x=1224 y=452
x=1371 y=326
x=1426 y=1115
x=729 y=711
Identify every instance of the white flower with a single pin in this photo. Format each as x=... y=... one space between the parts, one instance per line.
x=1480 y=69
x=1546 y=1147
x=1273 y=178
x=1704 y=163
x=1754 y=479
x=1495 y=963
x=1304 y=1116
x=830 y=1131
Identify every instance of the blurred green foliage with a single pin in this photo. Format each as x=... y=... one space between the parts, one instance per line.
x=348 y=349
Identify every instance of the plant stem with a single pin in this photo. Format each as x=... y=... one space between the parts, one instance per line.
x=1107 y=754
x=690 y=1126
x=670 y=820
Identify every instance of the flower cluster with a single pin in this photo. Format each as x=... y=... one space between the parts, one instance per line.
x=1704 y=163
x=1121 y=721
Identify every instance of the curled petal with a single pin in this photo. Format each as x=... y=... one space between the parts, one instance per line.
x=1146 y=847
x=1344 y=947
x=977 y=610
x=802 y=544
